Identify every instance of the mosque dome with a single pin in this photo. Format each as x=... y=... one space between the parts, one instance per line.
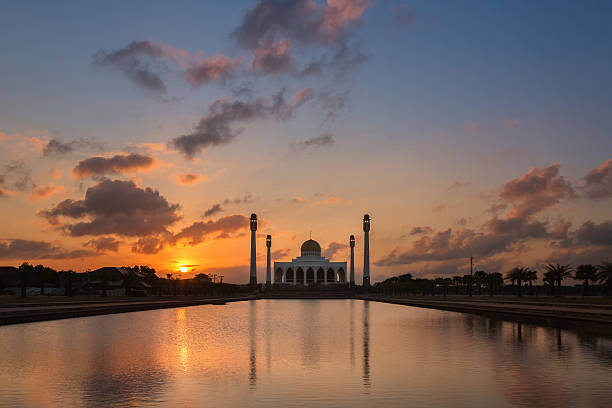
x=311 y=247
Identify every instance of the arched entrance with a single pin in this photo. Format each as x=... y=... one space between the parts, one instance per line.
x=300 y=275
x=278 y=276
x=330 y=275
x=310 y=275
x=320 y=275
x=341 y=275
x=289 y=276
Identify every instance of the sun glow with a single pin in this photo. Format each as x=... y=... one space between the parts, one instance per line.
x=184 y=269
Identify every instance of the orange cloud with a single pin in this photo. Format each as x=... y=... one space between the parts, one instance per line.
x=47 y=191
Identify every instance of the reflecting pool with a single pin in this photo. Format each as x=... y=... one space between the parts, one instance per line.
x=290 y=353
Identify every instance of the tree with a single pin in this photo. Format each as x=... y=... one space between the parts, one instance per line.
x=549 y=279
x=559 y=272
x=495 y=280
x=530 y=276
x=26 y=270
x=586 y=273
x=604 y=275
x=457 y=281
x=480 y=278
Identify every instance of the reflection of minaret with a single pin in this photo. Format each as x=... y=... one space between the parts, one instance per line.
x=352 y=243
x=366 y=344
x=352 y=331
x=366 y=251
x=253 y=275
x=268 y=271
x=253 y=358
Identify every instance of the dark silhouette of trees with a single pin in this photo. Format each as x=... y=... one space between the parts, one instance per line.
x=559 y=272
x=530 y=276
x=26 y=270
x=586 y=273
x=604 y=276
x=480 y=278
x=495 y=281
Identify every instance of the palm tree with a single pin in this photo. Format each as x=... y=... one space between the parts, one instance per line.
x=586 y=273
x=559 y=272
x=604 y=275
x=549 y=279
x=530 y=276
x=517 y=275
x=480 y=278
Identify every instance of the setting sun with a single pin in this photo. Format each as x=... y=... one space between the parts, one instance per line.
x=184 y=269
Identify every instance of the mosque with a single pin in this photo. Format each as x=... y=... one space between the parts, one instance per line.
x=310 y=267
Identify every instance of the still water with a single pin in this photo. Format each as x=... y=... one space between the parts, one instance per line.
x=289 y=353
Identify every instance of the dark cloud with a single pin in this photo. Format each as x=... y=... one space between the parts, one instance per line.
x=25 y=249
x=421 y=230
x=148 y=245
x=325 y=140
x=103 y=244
x=218 y=127
x=333 y=248
x=224 y=227
x=301 y=20
x=304 y=22
x=402 y=15
x=596 y=234
x=130 y=61
x=218 y=207
x=279 y=253
x=118 y=164
x=56 y=147
x=116 y=207
x=599 y=181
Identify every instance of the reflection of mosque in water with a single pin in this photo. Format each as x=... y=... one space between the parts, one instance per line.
x=309 y=339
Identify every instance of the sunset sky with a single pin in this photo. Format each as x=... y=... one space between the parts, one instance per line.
x=147 y=132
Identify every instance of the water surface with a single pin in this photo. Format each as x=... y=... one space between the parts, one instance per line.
x=289 y=353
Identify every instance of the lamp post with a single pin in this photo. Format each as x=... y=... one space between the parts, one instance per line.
x=268 y=270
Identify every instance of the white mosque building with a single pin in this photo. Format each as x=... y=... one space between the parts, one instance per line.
x=310 y=267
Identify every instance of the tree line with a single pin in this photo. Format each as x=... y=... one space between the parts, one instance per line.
x=595 y=279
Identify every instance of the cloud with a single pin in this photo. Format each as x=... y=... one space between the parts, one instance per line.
x=599 y=181
x=595 y=234
x=56 y=147
x=140 y=63
x=304 y=22
x=224 y=227
x=279 y=253
x=421 y=230
x=148 y=245
x=216 y=68
x=300 y=200
x=302 y=96
x=16 y=176
x=103 y=244
x=130 y=61
x=116 y=207
x=218 y=207
x=118 y=164
x=457 y=185
x=324 y=140
x=26 y=249
x=330 y=200
x=333 y=248
x=189 y=179
x=47 y=191
x=402 y=15
x=272 y=57
x=218 y=127
x=439 y=208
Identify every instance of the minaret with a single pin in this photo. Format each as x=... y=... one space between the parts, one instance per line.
x=253 y=275
x=352 y=244
x=268 y=271
x=366 y=251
